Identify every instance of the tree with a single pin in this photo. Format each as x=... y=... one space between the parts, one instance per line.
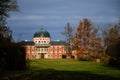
x=12 y=55
x=111 y=37
x=5 y=7
x=87 y=41
x=68 y=33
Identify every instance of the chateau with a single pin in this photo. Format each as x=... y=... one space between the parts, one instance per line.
x=43 y=47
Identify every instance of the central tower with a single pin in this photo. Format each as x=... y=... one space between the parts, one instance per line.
x=42 y=40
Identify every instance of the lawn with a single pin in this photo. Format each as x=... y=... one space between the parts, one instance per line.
x=64 y=69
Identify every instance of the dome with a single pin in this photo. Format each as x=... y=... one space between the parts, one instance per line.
x=42 y=33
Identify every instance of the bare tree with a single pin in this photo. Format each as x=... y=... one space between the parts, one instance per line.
x=68 y=33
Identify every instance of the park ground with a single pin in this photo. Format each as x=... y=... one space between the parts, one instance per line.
x=63 y=69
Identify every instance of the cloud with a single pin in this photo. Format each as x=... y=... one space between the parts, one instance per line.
x=54 y=14
x=27 y=17
x=56 y=21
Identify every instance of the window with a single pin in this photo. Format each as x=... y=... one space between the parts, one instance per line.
x=58 y=48
x=48 y=55
x=44 y=41
x=51 y=54
x=44 y=49
x=38 y=49
x=55 y=49
x=32 y=49
x=51 y=49
x=60 y=54
x=41 y=49
x=28 y=48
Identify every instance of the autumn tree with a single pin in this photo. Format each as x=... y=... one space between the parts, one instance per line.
x=86 y=41
x=68 y=33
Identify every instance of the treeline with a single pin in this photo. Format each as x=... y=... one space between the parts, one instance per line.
x=92 y=43
x=111 y=48
x=12 y=55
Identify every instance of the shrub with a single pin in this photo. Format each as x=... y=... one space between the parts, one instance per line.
x=85 y=58
x=12 y=57
x=105 y=59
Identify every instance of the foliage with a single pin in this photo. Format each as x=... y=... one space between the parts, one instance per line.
x=5 y=7
x=86 y=41
x=12 y=57
x=5 y=34
x=111 y=38
x=27 y=64
x=105 y=59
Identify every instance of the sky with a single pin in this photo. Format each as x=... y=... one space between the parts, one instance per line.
x=53 y=15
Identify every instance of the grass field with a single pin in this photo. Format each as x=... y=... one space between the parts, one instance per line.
x=65 y=69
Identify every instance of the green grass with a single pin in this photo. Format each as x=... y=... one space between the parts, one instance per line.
x=66 y=69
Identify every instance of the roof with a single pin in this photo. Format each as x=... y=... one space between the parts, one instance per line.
x=52 y=43
x=58 y=43
x=27 y=43
x=41 y=33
